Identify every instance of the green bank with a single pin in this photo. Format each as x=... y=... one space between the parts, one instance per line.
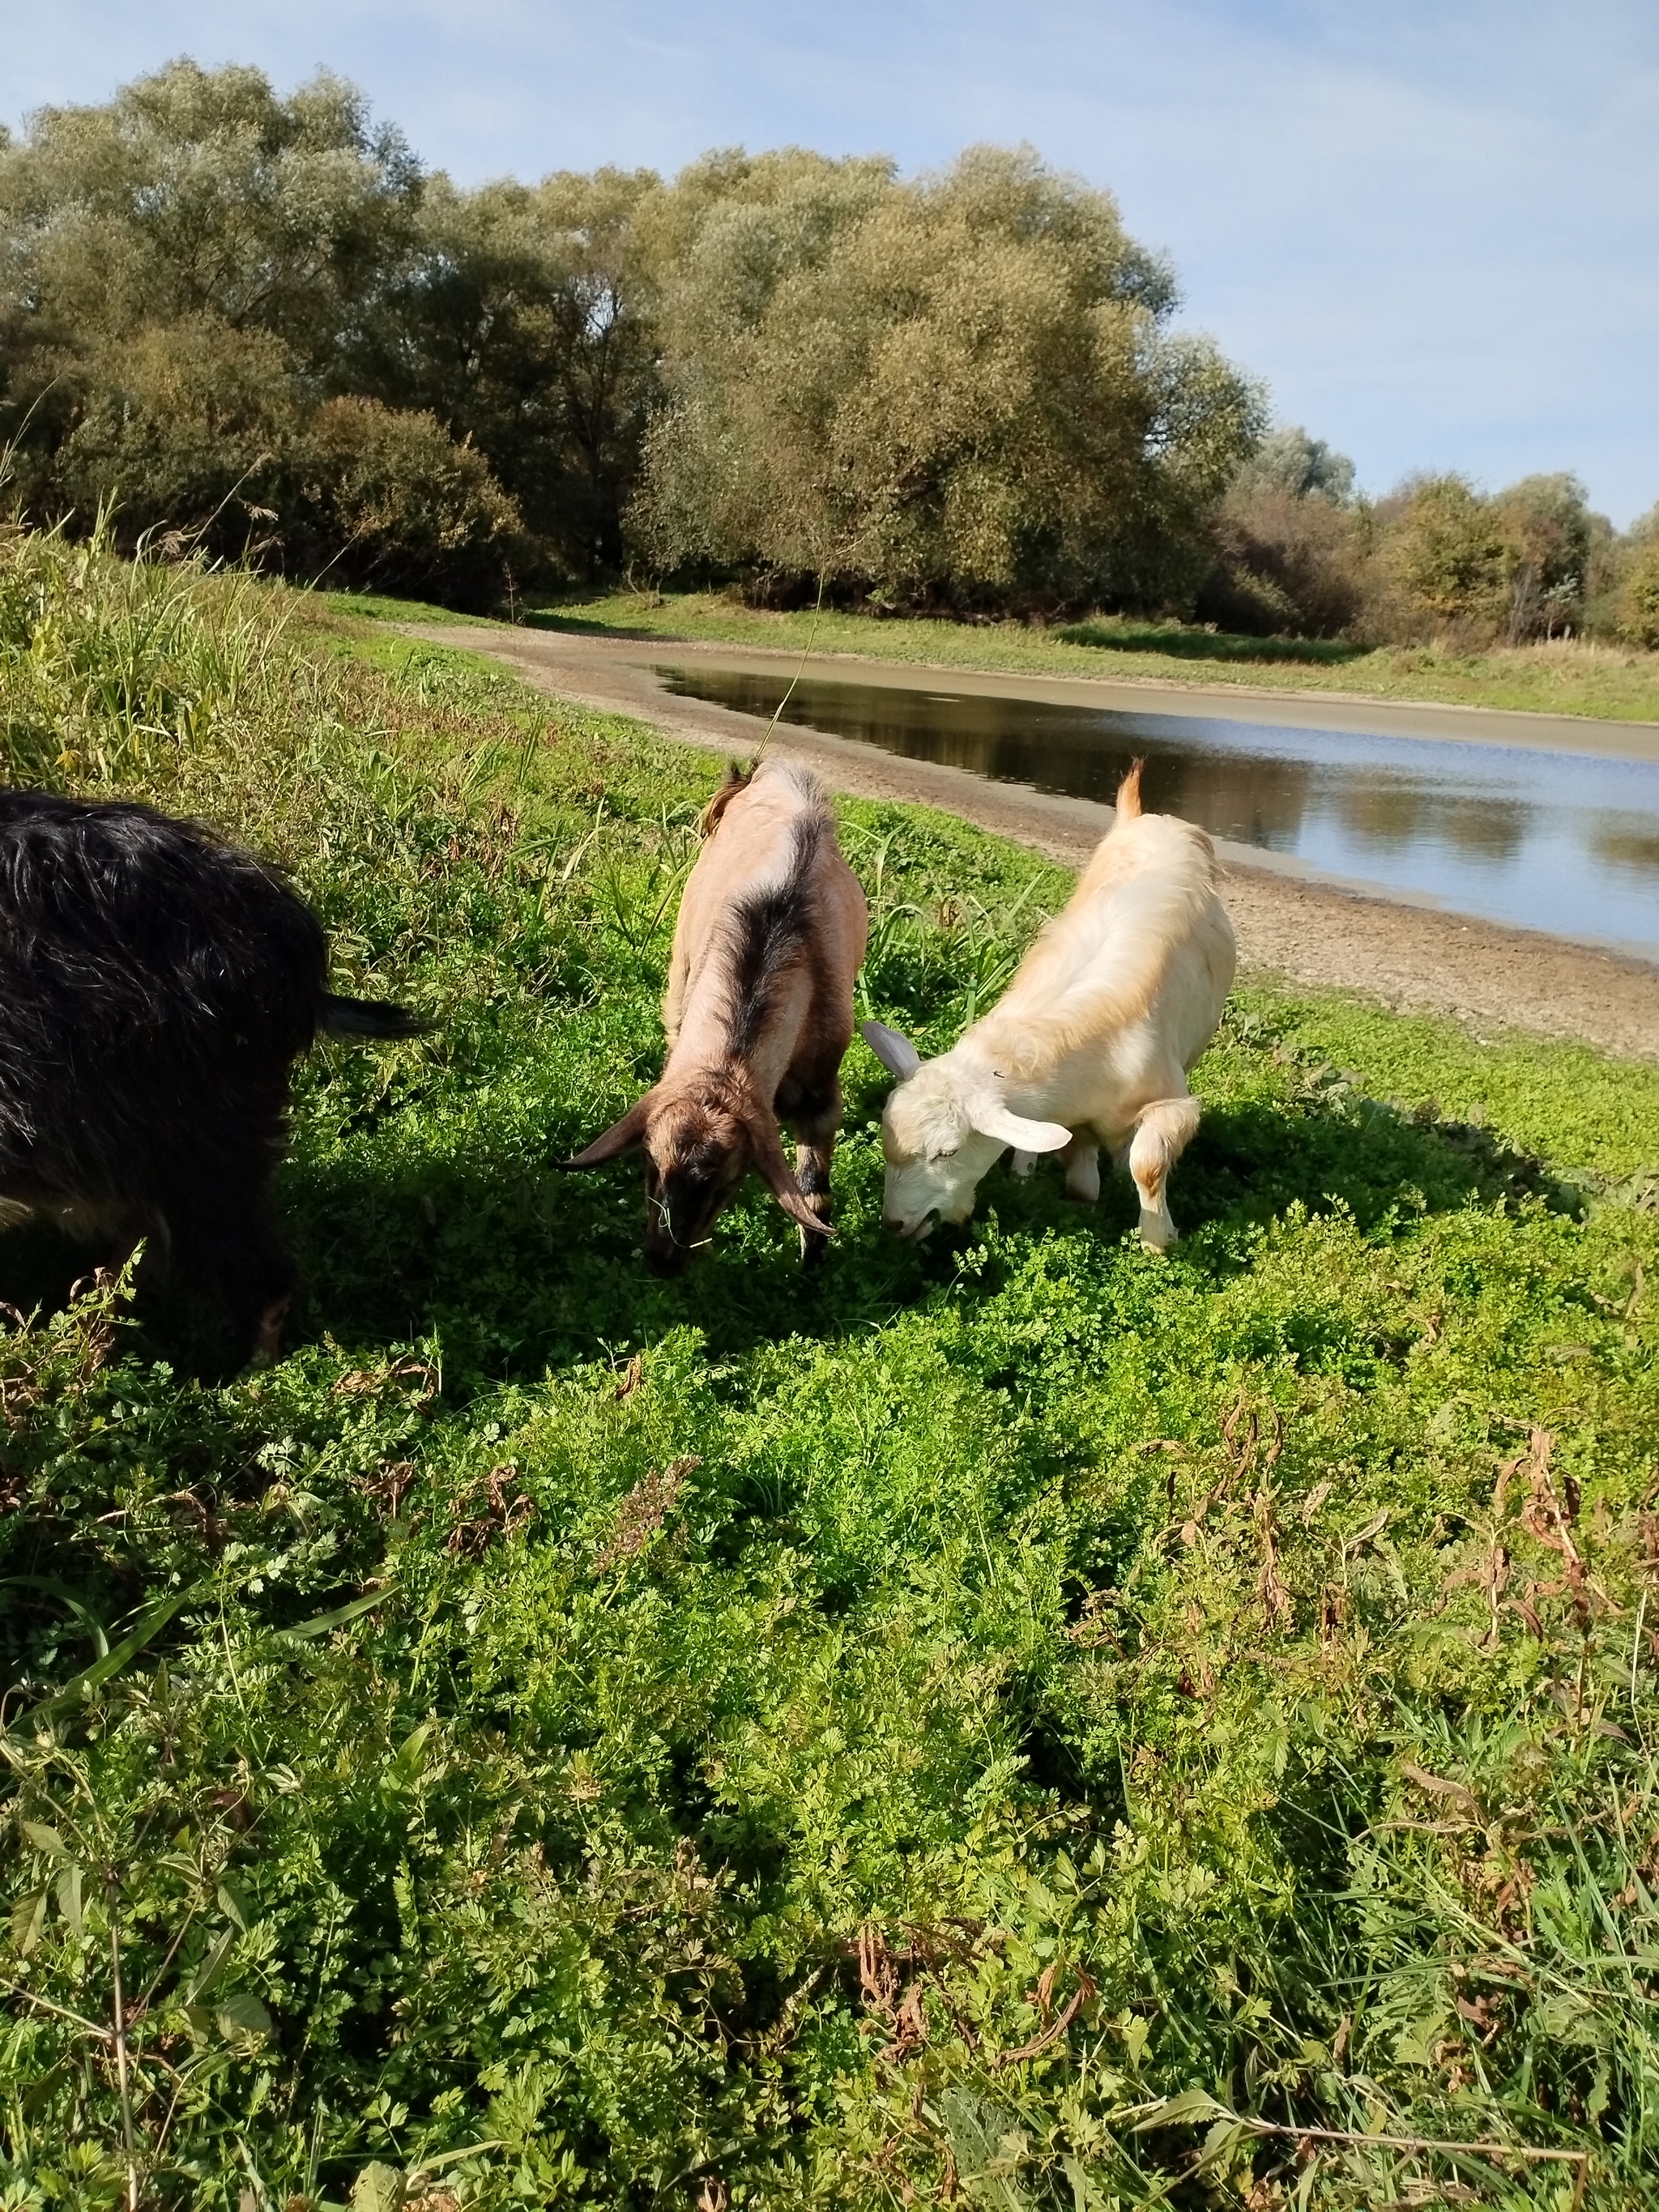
x=1607 y=681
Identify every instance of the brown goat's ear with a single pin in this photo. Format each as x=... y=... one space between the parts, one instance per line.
x=620 y=1137
x=737 y=779
x=775 y=1173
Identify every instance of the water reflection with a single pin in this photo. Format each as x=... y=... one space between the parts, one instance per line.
x=1626 y=846
x=1560 y=841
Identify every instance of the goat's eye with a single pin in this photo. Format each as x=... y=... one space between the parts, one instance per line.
x=949 y=1153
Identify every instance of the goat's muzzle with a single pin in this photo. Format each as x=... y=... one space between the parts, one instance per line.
x=664 y=1256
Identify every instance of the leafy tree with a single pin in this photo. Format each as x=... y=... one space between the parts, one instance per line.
x=523 y=321
x=1447 y=555
x=1549 y=527
x=1296 y=552
x=196 y=192
x=295 y=234
x=258 y=323
x=1529 y=562
x=958 y=389
x=200 y=192
x=1289 y=461
x=1638 y=592
x=191 y=271
x=1291 y=547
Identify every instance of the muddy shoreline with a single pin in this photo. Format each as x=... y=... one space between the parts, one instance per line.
x=1291 y=923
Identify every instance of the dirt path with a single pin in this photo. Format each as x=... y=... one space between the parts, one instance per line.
x=1290 y=923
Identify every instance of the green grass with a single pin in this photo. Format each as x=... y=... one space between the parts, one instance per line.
x=1604 y=681
x=380 y=606
x=1014 y=1722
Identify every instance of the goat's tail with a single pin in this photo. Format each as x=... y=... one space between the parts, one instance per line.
x=737 y=779
x=1128 y=793
x=368 y=1018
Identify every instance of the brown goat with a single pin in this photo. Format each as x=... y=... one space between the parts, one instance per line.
x=758 y=1014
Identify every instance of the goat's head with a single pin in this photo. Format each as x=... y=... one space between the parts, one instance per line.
x=943 y=1126
x=700 y=1138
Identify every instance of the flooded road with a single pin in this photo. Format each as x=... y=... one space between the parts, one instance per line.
x=1567 y=843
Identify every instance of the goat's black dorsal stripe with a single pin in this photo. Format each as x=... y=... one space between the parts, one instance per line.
x=770 y=929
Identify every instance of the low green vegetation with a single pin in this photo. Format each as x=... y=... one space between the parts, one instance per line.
x=1567 y=678
x=1012 y=1722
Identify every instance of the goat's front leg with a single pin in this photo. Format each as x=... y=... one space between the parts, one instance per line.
x=1163 y=1132
x=1082 y=1163
x=817 y=1121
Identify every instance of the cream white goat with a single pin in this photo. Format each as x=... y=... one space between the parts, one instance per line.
x=1090 y=1045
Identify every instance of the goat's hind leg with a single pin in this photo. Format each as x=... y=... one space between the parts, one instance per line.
x=232 y=1241
x=1163 y=1132
x=261 y=1289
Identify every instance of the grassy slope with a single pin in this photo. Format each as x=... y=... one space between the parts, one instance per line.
x=1602 y=681
x=769 y=1708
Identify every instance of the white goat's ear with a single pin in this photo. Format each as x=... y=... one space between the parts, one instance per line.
x=988 y=1114
x=896 y=1053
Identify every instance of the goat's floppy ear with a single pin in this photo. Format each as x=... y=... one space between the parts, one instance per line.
x=775 y=1171
x=896 y=1053
x=620 y=1137
x=988 y=1114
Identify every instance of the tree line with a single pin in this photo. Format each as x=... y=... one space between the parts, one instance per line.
x=1298 y=552
x=260 y=326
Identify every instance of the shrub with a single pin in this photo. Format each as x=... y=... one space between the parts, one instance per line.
x=184 y=429
x=386 y=496
x=1291 y=549
x=1287 y=565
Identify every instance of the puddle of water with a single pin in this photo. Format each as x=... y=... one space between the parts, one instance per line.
x=1567 y=843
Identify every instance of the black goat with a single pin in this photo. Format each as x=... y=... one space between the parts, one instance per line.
x=155 y=987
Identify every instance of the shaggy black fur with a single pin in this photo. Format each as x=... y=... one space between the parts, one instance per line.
x=155 y=988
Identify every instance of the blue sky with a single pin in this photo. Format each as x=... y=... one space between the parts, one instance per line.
x=1434 y=228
